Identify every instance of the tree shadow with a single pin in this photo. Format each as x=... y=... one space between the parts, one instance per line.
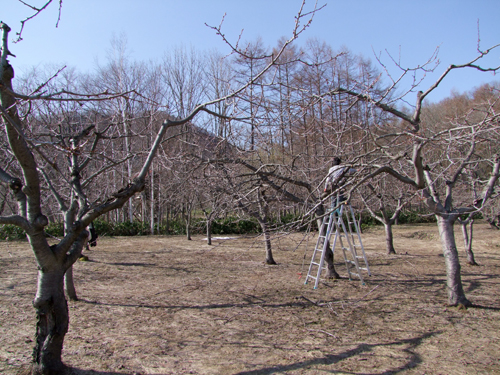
x=485 y=307
x=131 y=264
x=331 y=359
x=77 y=371
x=247 y=304
x=473 y=285
x=142 y=264
x=27 y=370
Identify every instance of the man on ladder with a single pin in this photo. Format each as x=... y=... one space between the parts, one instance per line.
x=333 y=179
x=334 y=224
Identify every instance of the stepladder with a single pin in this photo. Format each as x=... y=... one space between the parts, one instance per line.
x=339 y=230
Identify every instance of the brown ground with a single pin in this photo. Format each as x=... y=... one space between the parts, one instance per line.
x=165 y=305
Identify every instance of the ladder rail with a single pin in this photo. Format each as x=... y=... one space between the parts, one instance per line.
x=356 y=227
x=352 y=250
x=325 y=249
x=322 y=248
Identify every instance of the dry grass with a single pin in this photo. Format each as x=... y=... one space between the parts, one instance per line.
x=165 y=305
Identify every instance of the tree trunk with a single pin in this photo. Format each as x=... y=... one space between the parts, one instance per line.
x=389 y=238
x=167 y=220
x=52 y=320
x=331 y=273
x=269 y=253
x=152 y=212
x=456 y=293
x=188 y=230
x=468 y=242
x=360 y=228
x=209 y=232
x=69 y=285
x=267 y=239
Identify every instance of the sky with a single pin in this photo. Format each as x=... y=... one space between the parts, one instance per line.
x=408 y=30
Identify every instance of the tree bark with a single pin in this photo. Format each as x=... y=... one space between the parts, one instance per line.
x=389 y=239
x=269 y=253
x=52 y=320
x=267 y=240
x=69 y=285
x=456 y=293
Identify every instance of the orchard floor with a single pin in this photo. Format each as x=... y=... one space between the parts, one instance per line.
x=165 y=305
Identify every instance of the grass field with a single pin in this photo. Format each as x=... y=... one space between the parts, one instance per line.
x=165 y=305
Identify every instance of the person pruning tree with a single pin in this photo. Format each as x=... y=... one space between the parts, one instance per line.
x=334 y=179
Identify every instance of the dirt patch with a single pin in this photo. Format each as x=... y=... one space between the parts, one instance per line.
x=165 y=305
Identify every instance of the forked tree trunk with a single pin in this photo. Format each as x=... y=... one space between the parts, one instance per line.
x=456 y=293
x=52 y=320
x=468 y=241
x=69 y=283
x=389 y=238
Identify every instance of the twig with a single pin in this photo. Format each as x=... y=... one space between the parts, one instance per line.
x=367 y=294
x=320 y=330
x=308 y=300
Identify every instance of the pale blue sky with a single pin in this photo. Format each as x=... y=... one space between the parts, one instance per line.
x=411 y=29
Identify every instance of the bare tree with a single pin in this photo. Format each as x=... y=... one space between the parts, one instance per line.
x=438 y=179
x=54 y=260
x=381 y=198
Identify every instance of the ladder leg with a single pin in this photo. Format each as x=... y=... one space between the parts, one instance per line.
x=358 y=235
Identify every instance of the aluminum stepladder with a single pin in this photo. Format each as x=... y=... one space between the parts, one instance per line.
x=335 y=222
